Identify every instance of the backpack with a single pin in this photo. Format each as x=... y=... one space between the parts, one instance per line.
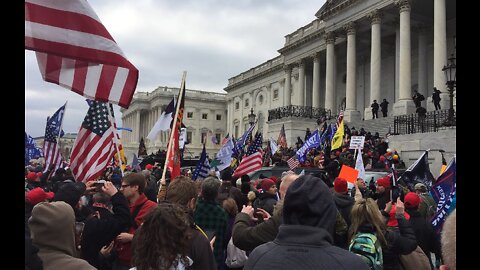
x=235 y=256
x=415 y=260
x=368 y=248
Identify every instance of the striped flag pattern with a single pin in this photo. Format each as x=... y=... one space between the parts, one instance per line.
x=75 y=51
x=252 y=161
x=94 y=148
x=51 y=149
x=118 y=142
x=293 y=163
x=282 y=138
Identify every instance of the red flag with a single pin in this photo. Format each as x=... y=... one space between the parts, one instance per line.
x=75 y=50
x=173 y=161
x=94 y=148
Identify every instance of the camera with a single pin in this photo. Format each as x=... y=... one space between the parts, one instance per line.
x=99 y=184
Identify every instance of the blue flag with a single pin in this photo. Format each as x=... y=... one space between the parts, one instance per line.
x=312 y=142
x=31 y=149
x=53 y=125
x=203 y=166
x=443 y=192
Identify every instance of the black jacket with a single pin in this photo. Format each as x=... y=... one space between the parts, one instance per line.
x=426 y=237
x=247 y=237
x=344 y=205
x=400 y=240
x=266 y=201
x=99 y=232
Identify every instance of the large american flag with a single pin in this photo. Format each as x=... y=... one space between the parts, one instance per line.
x=94 y=147
x=53 y=132
x=252 y=161
x=75 y=50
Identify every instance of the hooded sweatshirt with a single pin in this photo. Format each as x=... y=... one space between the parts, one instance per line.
x=304 y=241
x=52 y=226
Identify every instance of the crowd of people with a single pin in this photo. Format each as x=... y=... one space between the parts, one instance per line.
x=292 y=222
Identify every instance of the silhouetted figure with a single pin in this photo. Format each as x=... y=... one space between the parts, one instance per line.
x=384 y=106
x=375 y=107
x=307 y=134
x=422 y=114
x=436 y=98
x=417 y=98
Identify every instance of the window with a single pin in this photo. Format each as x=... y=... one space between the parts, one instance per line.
x=219 y=117
x=204 y=137
x=236 y=132
x=190 y=115
x=218 y=136
x=204 y=115
x=260 y=99
x=189 y=136
x=275 y=94
x=237 y=105
x=246 y=102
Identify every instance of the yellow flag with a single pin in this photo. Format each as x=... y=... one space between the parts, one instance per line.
x=337 y=139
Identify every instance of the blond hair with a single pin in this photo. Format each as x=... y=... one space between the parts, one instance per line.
x=365 y=211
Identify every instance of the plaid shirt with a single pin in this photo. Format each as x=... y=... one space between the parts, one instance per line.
x=211 y=216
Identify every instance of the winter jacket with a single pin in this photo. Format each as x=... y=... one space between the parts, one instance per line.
x=247 y=237
x=99 y=232
x=344 y=205
x=52 y=227
x=303 y=247
x=124 y=249
x=401 y=240
x=266 y=201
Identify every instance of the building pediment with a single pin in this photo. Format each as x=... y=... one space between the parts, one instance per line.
x=332 y=7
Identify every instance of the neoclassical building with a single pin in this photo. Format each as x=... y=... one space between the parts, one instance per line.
x=356 y=51
x=205 y=116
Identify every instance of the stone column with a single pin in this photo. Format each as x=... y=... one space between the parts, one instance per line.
x=287 y=94
x=422 y=68
x=316 y=81
x=301 y=83
x=137 y=127
x=405 y=104
x=330 y=73
x=440 y=50
x=375 y=61
x=351 y=114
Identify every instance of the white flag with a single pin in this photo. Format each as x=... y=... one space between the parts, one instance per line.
x=224 y=155
x=273 y=146
x=164 y=121
x=359 y=165
x=182 y=138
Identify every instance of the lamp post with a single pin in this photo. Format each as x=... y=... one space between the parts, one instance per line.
x=451 y=75
x=251 y=117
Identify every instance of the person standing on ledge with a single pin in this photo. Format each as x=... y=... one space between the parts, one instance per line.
x=374 y=109
x=384 y=106
x=436 y=98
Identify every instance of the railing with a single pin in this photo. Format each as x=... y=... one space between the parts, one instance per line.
x=299 y=111
x=432 y=122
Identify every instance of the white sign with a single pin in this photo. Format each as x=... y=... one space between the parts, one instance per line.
x=356 y=142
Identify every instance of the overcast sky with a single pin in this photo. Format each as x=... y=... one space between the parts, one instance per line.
x=213 y=40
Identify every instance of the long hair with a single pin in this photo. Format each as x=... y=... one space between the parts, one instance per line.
x=365 y=211
x=162 y=239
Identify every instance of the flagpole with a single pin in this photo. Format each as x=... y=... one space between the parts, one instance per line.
x=170 y=141
x=115 y=141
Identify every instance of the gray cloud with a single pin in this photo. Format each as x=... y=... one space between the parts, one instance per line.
x=213 y=40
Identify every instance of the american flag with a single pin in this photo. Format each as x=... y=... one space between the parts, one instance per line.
x=282 y=138
x=51 y=149
x=293 y=163
x=252 y=161
x=94 y=147
x=203 y=166
x=75 y=51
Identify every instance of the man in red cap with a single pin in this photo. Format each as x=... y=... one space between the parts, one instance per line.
x=32 y=180
x=344 y=204
x=33 y=197
x=426 y=237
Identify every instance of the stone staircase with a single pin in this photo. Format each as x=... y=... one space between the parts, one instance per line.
x=380 y=125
